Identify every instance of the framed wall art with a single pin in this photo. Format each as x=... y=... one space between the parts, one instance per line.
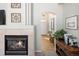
x=2 y=17
x=51 y=20
x=52 y=23
x=15 y=5
x=71 y=22
x=15 y=17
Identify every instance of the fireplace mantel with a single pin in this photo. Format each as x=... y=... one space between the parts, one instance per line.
x=17 y=27
x=25 y=30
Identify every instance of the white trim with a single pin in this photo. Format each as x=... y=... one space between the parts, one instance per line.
x=18 y=31
x=28 y=14
x=38 y=51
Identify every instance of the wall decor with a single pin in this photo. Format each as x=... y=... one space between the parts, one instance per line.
x=51 y=20
x=2 y=17
x=15 y=17
x=15 y=5
x=52 y=23
x=71 y=22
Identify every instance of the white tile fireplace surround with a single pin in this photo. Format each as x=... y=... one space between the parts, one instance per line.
x=26 y=30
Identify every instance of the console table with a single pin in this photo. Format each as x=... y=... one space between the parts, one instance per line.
x=65 y=50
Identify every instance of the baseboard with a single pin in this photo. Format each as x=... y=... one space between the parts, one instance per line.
x=38 y=51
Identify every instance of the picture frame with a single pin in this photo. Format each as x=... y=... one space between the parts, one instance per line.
x=52 y=23
x=71 y=22
x=15 y=5
x=15 y=17
x=51 y=18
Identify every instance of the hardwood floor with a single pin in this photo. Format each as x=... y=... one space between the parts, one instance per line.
x=47 y=47
x=46 y=44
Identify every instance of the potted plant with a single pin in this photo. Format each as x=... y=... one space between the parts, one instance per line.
x=59 y=34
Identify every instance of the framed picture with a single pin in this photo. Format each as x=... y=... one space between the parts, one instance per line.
x=15 y=5
x=51 y=20
x=15 y=17
x=71 y=22
x=52 y=23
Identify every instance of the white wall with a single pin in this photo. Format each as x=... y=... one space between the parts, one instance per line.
x=38 y=9
x=9 y=10
x=13 y=10
x=59 y=17
x=28 y=14
x=3 y=6
x=71 y=9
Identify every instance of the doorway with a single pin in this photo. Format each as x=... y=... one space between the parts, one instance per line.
x=48 y=28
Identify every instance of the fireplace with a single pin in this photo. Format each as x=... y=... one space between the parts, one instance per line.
x=16 y=44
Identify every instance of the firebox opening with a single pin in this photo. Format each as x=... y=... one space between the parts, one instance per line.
x=16 y=44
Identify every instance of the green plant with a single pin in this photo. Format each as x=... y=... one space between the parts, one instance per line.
x=59 y=33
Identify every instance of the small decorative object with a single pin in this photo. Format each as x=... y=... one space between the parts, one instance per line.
x=66 y=38
x=15 y=17
x=73 y=42
x=70 y=40
x=71 y=22
x=15 y=5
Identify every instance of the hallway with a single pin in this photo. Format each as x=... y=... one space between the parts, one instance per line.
x=48 y=47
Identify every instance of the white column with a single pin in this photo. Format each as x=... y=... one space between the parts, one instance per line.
x=29 y=15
